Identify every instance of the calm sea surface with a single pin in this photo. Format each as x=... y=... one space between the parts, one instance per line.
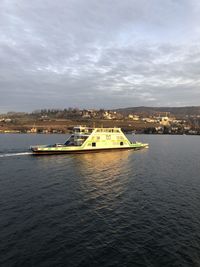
x=121 y=208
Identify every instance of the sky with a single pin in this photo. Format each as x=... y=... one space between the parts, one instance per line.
x=99 y=54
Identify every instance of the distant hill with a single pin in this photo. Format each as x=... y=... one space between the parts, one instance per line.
x=177 y=111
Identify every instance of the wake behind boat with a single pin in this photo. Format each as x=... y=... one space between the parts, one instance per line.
x=85 y=139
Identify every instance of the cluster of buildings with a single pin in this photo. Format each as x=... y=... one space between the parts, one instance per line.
x=6 y=120
x=100 y=114
x=44 y=130
x=160 y=123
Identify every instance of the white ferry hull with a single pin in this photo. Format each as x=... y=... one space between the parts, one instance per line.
x=85 y=140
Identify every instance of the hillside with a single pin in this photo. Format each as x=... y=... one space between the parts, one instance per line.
x=177 y=111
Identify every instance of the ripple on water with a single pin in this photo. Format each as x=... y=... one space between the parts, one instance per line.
x=106 y=209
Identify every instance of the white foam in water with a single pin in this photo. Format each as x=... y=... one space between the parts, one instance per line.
x=15 y=154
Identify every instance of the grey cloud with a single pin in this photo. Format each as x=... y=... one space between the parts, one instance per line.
x=98 y=53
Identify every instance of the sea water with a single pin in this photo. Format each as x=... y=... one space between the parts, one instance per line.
x=123 y=208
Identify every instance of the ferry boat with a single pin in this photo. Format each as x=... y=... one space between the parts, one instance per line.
x=85 y=139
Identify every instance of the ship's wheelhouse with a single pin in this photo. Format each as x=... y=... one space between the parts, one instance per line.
x=79 y=136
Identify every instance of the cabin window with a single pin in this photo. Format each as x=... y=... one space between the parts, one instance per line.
x=93 y=144
x=121 y=143
x=108 y=137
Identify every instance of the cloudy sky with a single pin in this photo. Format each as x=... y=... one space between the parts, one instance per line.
x=99 y=53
